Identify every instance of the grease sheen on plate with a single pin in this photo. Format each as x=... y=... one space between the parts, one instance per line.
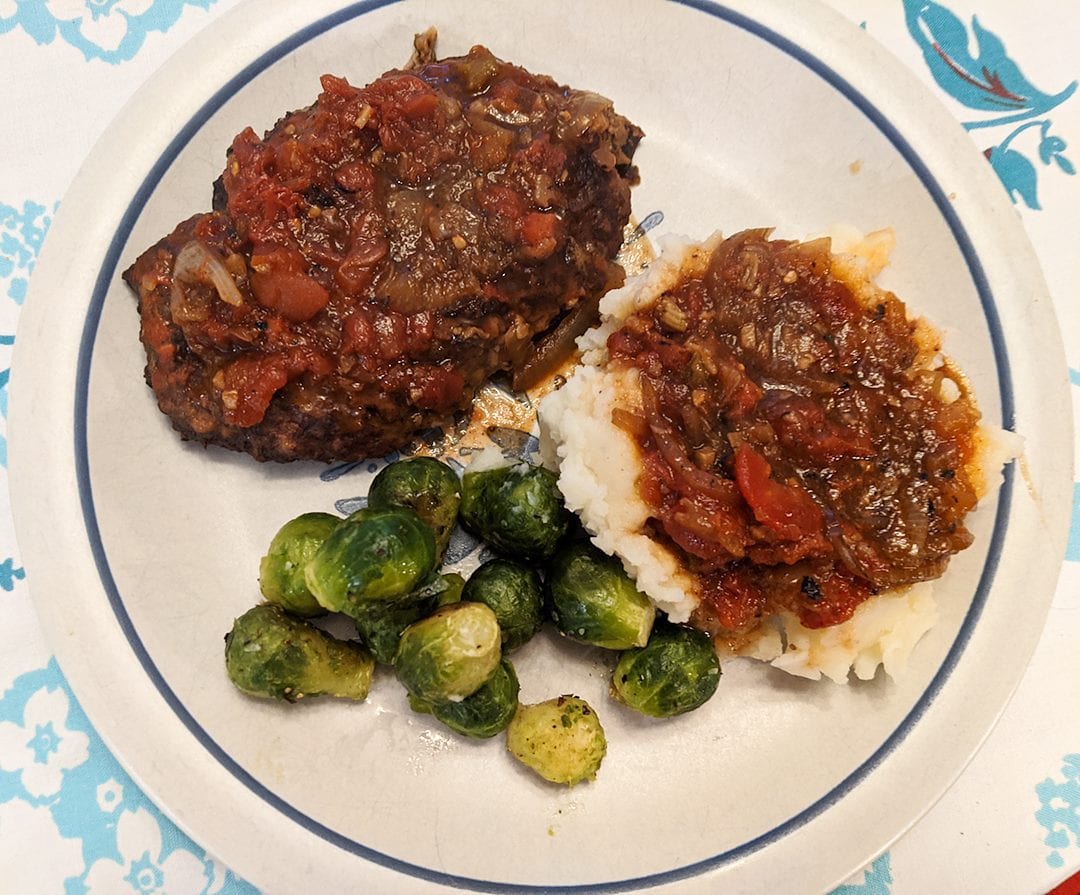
x=738 y=792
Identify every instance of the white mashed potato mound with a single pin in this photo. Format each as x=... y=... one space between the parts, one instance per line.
x=598 y=466
x=882 y=632
x=598 y=469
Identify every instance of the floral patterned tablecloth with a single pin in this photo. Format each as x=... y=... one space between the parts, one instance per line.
x=73 y=822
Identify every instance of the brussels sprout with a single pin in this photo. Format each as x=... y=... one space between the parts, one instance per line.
x=269 y=653
x=424 y=485
x=454 y=587
x=676 y=672
x=516 y=509
x=560 y=739
x=488 y=710
x=450 y=654
x=514 y=593
x=372 y=555
x=594 y=601
x=281 y=572
x=381 y=622
x=418 y=705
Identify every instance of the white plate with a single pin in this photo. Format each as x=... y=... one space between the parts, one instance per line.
x=141 y=549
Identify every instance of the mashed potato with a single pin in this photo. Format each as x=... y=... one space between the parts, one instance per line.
x=599 y=466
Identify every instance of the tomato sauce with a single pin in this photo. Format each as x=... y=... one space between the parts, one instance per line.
x=800 y=450
x=384 y=252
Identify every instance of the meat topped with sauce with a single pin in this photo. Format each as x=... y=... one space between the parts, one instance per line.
x=803 y=446
x=374 y=258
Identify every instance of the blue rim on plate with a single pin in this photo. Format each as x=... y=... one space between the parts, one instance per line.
x=106 y=277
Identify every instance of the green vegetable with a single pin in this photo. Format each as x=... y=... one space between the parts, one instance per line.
x=281 y=572
x=418 y=705
x=453 y=589
x=271 y=654
x=424 y=485
x=676 y=672
x=488 y=711
x=560 y=739
x=450 y=654
x=515 y=595
x=594 y=601
x=516 y=509
x=381 y=622
x=372 y=555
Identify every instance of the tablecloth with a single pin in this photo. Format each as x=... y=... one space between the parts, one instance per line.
x=72 y=821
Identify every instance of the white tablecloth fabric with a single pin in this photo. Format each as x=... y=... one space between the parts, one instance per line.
x=71 y=820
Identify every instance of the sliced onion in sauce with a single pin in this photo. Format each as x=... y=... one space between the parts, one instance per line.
x=197 y=263
x=844 y=552
x=546 y=354
x=187 y=306
x=682 y=467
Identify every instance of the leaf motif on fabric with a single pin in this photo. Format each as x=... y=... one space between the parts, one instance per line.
x=877 y=880
x=987 y=79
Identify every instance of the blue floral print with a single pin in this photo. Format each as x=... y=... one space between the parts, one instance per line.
x=1059 y=813
x=22 y=230
x=110 y=30
x=62 y=793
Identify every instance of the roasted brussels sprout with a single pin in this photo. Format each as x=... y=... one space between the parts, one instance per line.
x=676 y=672
x=381 y=622
x=593 y=600
x=271 y=654
x=488 y=711
x=453 y=585
x=450 y=654
x=281 y=572
x=515 y=595
x=424 y=485
x=418 y=705
x=560 y=739
x=372 y=555
x=516 y=509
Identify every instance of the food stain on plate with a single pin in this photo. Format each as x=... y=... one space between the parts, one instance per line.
x=425 y=746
